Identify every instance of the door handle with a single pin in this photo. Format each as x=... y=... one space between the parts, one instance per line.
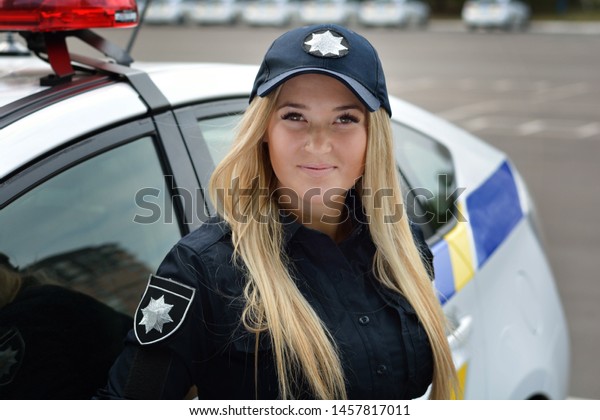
x=458 y=336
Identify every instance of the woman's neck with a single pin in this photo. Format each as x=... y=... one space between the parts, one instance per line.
x=332 y=219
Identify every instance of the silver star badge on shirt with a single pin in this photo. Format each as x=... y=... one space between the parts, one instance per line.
x=156 y=314
x=325 y=44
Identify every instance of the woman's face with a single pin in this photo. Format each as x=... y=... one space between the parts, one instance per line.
x=317 y=139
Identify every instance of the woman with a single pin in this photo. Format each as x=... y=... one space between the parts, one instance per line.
x=310 y=284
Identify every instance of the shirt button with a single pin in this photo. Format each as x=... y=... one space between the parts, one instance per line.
x=381 y=369
x=364 y=320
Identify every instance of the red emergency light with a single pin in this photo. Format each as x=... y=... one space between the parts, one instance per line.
x=66 y=15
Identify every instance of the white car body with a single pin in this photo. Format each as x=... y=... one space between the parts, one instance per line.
x=393 y=13
x=268 y=12
x=505 y=14
x=509 y=335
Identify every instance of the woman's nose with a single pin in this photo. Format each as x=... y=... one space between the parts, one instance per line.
x=318 y=140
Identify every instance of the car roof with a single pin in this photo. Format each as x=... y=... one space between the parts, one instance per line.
x=19 y=77
x=182 y=83
x=89 y=110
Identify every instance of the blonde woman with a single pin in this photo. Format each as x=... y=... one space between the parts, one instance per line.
x=311 y=282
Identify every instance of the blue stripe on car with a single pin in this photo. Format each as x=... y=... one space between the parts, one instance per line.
x=494 y=210
x=444 y=277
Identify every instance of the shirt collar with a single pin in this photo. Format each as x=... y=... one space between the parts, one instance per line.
x=355 y=209
x=291 y=225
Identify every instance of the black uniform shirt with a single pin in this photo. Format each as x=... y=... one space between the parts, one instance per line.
x=384 y=350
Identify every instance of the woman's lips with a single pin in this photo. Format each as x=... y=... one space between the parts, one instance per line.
x=317 y=169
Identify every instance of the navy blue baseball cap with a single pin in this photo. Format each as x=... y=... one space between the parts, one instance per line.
x=326 y=49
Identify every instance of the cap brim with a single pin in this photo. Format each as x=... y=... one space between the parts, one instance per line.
x=366 y=97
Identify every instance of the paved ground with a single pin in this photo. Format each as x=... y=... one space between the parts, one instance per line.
x=535 y=95
x=537 y=27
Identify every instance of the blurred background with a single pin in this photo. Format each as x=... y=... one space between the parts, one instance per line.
x=522 y=75
x=275 y=12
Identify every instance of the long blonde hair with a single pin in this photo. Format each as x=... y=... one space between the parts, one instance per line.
x=303 y=348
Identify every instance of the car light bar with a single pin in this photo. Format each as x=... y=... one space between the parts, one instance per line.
x=66 y=15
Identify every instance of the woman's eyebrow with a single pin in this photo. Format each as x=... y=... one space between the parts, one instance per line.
x=292 y=105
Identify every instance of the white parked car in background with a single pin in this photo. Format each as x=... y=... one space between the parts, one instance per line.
x=212 y=12
x=399 y=13
x=325 y=11
x=502 y=14
x=103 y=168
x=268 y=12
x=163 y=12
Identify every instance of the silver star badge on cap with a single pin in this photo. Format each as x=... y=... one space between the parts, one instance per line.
x=326 y=43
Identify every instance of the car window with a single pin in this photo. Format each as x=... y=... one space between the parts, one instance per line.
x=218 y=133
x=427 y=168
x=90 y=227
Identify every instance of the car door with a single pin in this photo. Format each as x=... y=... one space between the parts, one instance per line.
x=84 y=227
x=109 y=188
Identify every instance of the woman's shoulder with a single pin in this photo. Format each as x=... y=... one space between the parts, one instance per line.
x=203 y=256
x=214 y=232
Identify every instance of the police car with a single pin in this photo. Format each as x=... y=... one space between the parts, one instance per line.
x=102 y=169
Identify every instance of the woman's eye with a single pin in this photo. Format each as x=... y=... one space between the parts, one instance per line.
x=347 y=119
x=293 y=116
